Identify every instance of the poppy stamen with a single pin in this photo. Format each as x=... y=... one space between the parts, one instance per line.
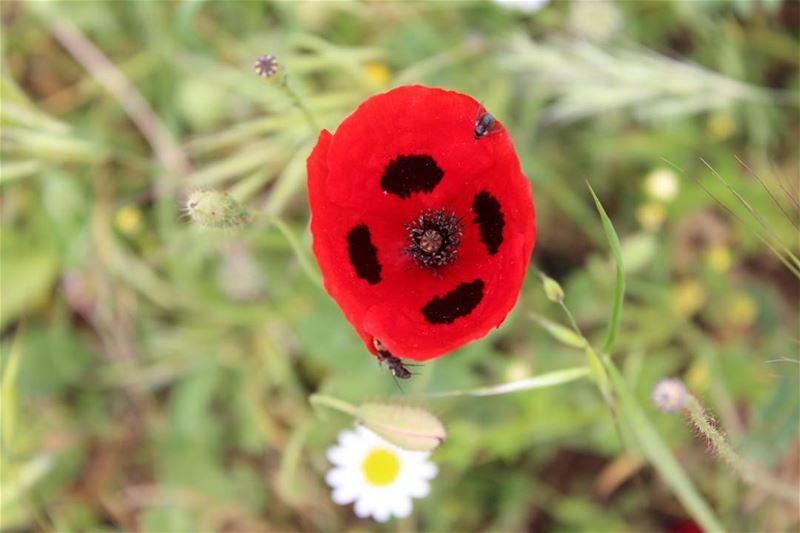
x=434 y=238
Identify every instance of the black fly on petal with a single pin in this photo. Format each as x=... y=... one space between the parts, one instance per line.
x=394 y=364
x=483 y=125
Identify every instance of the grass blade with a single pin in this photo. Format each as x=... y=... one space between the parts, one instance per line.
x=619 y=284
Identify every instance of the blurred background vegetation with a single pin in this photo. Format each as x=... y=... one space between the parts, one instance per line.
x=156 y=375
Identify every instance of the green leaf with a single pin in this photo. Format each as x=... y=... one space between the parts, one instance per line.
x=562 y=334
x=619 y=286
x=8 y=394
x=658 y=453
x=27 y=279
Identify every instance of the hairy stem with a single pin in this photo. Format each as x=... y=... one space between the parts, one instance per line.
x=718 y=443
x=298 y=101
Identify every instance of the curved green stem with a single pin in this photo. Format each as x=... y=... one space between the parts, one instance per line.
x=297 y=248
x=333 y=403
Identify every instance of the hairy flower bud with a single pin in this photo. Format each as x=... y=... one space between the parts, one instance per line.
x=215 y=209
x=409 y=428
x=552 y=289
x=669 y=395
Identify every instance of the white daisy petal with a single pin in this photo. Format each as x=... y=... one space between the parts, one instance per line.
x=418 y=488
x=344 y=495
x=337 y=455
x=428 y=470
x=363 y=506
x=337 y=477
x=401 y=506
x=349 y=439
x=381 y=513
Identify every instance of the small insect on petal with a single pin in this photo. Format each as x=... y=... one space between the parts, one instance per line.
x=483 y=125
x=409 y=428
x=394 y=364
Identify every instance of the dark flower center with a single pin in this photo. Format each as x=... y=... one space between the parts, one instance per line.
x=434 y=237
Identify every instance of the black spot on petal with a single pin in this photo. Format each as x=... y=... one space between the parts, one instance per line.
x=459 y=302
x=363 y=254
x=489 y=217
x=407 y=174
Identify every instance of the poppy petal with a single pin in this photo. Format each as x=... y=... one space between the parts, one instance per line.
x=399 y=154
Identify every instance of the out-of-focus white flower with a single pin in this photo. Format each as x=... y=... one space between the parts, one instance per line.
x=596 y=20
x=662 y=185
x=379 y=477
x=528 y=6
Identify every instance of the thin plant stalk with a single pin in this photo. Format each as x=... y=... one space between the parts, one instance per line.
x=794 y=270
x=769 y=192
x=706 y=427
x=754 y=214
x=297 y=248
x=549 y=379
x=333 y=403
x=298 y=101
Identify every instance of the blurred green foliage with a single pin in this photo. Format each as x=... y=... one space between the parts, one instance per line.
x=155 y=376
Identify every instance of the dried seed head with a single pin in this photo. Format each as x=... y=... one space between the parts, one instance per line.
x=215 y=209
x=266 y=66
x=409 y=428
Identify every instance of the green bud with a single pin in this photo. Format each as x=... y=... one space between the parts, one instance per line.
x=560 y=333
x=409 y=428
x=552 y=289
x=215 y=209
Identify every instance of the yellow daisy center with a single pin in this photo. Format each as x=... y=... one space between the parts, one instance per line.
x=381 y=467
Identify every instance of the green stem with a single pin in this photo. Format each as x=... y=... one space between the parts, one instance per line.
x=537 y=382
x=571 y=318
x=297 y=248
x=334 y=403
x=705 y=424
x=298 y=101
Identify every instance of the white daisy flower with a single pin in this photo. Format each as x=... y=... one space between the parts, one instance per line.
x=379 y=477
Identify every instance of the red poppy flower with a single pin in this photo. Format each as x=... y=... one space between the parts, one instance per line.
x=423 y=222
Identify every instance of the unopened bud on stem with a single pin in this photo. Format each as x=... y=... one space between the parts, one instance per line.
x=410 y=428
x=552 y=289
x=215 y=209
